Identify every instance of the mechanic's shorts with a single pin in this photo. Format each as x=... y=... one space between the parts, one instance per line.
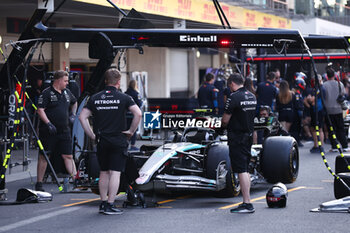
x=111 y=157
x=61 y=143
x=240 y=154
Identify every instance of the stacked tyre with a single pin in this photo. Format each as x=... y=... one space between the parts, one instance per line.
x=343 y=172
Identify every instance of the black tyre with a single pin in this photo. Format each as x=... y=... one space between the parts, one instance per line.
x=216 y=154
x=341 y=164
x=280 y=159
x=340 y=190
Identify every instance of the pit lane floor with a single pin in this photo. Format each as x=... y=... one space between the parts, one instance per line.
x=184 y=212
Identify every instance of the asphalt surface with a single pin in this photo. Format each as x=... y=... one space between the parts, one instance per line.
x=182 y=212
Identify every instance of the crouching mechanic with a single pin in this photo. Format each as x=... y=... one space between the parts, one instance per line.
x=239 y=119
x=54 y=131
x=108 y=109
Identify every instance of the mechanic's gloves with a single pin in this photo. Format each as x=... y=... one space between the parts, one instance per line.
x=72 y=119
x=52 y=128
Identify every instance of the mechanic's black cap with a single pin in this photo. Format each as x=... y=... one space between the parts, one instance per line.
x=277 y=195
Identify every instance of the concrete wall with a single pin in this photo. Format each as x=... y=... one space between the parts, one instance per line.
x=155 y=61
x=178 y=69
x=60 y=56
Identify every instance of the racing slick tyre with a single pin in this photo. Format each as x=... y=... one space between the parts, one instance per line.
x=341 y=165
x=216 y=154
x=340 y=190
x=280 y=159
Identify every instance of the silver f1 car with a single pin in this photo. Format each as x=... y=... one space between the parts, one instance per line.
x=199 y=159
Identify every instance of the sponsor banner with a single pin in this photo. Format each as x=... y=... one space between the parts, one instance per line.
x=201 y=11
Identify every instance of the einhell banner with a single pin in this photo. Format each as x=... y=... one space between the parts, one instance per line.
x=201 y=11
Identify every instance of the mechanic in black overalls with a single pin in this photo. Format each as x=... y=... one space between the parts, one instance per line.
x=239 y=119
x=108 y=109
x=54 y=104
x=207 y=94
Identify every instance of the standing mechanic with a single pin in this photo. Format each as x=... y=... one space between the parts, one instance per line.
x=207 y=94
x=109 y=108
x=54 y=131
x=239 y=119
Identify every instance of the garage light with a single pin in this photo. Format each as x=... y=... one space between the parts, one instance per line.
x=224 y=42
x=198 y=54
x=66 y=45
x=0 y=39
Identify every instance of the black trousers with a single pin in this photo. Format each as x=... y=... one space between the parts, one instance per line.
x=338 y=126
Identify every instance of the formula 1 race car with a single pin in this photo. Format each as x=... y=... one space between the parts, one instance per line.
x=198 y=159
x=195 y=161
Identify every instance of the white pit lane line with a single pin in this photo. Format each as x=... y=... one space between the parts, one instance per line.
x=37 y=218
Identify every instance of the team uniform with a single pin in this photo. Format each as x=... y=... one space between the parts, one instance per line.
x=266 y=93
x=207 y=96
x=241 y=105
x=220 y=84
x=109 y=109
x=56 y=107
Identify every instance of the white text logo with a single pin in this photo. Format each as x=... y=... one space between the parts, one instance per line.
x=188 y=38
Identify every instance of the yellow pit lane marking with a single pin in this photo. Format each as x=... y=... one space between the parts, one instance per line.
x=171 y=200
x=82 y=202
x=259 y=198
x=166 y=201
